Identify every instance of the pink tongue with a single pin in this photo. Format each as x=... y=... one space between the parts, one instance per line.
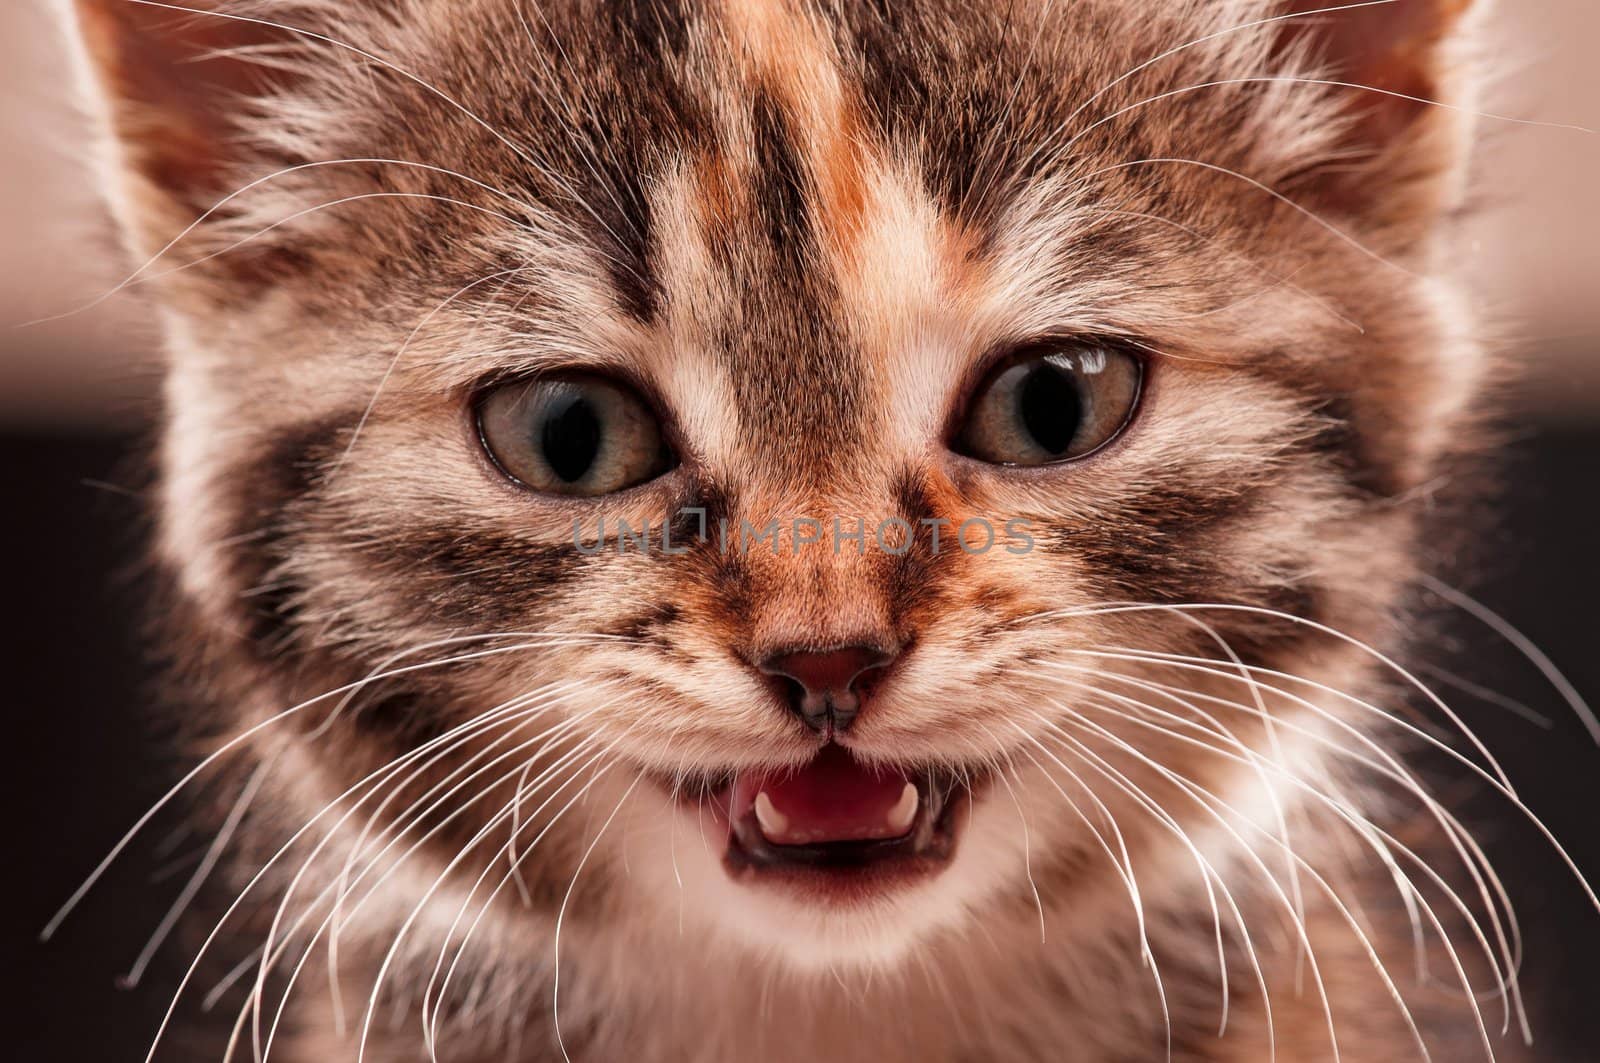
x=831 y=799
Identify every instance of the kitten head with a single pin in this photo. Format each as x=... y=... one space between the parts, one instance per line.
x=1010 y=393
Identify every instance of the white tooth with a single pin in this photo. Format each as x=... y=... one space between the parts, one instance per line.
x=771 y=820
x=904 y=810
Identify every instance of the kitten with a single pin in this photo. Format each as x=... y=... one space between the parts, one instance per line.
x=781 y=529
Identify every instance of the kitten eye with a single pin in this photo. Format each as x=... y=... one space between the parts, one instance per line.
x=1051 y=404
x=572 y=435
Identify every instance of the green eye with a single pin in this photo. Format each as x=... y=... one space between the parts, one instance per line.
x=572 y=435
x=1051 y=404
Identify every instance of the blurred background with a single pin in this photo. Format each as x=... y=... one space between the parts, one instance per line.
x=77 y=393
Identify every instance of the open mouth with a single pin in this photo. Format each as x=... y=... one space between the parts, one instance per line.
x=839 y=825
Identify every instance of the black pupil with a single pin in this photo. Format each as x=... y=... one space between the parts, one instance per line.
x=1050 y=407
x=570 y=435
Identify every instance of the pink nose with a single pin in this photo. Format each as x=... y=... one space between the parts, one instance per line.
x=824 y=686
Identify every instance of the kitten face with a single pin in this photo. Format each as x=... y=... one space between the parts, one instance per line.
x=804 y=238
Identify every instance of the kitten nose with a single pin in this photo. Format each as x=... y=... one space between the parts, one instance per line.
x=825 y=686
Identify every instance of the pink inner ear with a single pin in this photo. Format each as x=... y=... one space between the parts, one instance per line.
x=171 y=105
x=1390 y=47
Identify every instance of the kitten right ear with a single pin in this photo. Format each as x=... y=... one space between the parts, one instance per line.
x=175 y=81
x=1393 y=61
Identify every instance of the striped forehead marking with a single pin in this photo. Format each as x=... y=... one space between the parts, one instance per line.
x=818 y=301
x=789 y=55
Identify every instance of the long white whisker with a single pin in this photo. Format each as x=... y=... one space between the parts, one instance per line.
x=1524 y=645
x=519 y=718
x=1265 y=188
x=1496 y=783
x=1207 y=872
x=1355 y=643
x=213 y=853
x=518 y=712
x=522 y=711
x=261 y=873
x=1269 y=724
x=555 y=992
x=429 y=1025
x=509 y=813
x=1467 y=849
x=419 y=907
x=1322 y=82
x=235 y=743
x=1245 y=849
x=1027 y=852
x=212 y=211
x=1365 y=829
x=505 y=715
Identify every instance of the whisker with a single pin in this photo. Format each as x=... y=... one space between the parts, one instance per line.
x=1315 y=82
x=411 y=817
x=258 y=182
x=1507 y=991
x=372 y=864
x=1492 y=780
x=1278 y=614
x=1207 y=872
x=1130 y=881
x=1524 y=645
x=1372 y=833
x=1027 y=853
x=429 y=1026
x=548 y=775
x=270 y=956
x=1484 y=694
x=518 y=712
x=235 y=743
x=1261 y=186
x=1249 y=853
x=555 y=992
x=1467 y=849
x=261 y=873
x=417 y=909
x=208 y=863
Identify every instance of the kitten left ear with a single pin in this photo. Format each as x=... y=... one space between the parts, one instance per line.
x=175 y=81
x=1404 y=53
